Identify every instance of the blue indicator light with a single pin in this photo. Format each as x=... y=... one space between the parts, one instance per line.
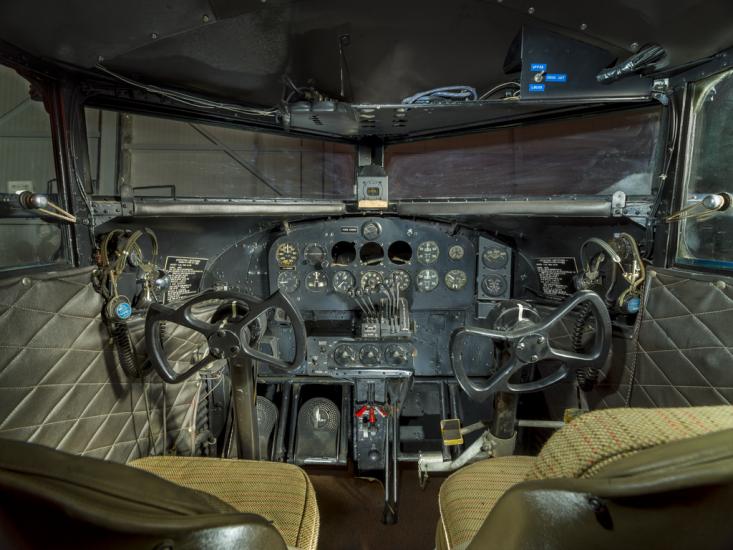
x=123 y=311
x=556 y=77
x=538 y=67
x=536 y=87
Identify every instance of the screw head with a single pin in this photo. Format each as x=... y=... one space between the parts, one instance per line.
x=521 y=346
x=534 y=358
x=541 y=340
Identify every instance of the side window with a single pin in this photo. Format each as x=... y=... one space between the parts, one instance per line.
x=26 y=164
x=162 y=157
x=705 y=238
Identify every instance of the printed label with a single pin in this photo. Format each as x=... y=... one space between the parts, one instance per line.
x=186 y=274
x=536 y=87
x=556 y=77
x=538 y=67
x=556 y=275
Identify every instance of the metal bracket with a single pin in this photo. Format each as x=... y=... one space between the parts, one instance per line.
x=127 y=199
x=618 y=201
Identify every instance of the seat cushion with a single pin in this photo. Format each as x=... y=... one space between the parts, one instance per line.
x=596 y=439
x=281 y=493
x=467 y=496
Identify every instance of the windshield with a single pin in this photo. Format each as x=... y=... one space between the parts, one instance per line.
x=591 y=155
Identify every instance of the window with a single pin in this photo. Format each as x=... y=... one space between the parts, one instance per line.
x=592 y=155
x=160 y=157
x=26 y=164
x=709 y=241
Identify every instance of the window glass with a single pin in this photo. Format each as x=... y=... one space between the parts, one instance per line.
x=160 y=156
x=26 y=164
x=587 y=156
x=705 y=238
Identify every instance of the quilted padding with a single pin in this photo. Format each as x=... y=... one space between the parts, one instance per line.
x=61 y=386
x=596 y=439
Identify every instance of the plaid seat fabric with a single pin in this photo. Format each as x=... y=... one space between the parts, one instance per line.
x=580 y=449
x=281 y=493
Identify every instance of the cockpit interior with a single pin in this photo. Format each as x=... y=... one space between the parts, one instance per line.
x=316 y=275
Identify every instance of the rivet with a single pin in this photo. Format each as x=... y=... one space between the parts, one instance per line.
x=530 y=10
x=25 y=281
x=205 y=19
x=720 y=284
x=154 y=36
x=634 y=46
x=583 y=27
x=534 y=358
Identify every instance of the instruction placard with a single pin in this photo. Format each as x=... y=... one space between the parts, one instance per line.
x=556 y=275
x=186 y=274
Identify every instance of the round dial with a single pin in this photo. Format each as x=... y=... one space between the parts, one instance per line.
x=456 y=279
x=369 y=354
x=286 y=255
x=287 y=281
x=395 y=355
x=428 y=252
x=494 y=285
x=400 y=278
x=316 y=281
x=371 y=230
x=344 y=355
x=456 y=252
x=427 y=280
x=315 y=254
x=343 y=281
x=370 y=280
x=495 y=257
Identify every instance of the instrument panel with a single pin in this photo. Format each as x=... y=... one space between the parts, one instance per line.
x=323 y=264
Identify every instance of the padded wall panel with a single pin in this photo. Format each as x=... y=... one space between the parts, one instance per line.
x=61 y=386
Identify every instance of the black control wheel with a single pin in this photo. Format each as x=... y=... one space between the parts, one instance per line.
x=226 y=340
x=528 y=343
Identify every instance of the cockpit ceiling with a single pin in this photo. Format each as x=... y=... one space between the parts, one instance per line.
x=241 y=49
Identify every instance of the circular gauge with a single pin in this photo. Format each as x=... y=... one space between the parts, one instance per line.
x=369 y=354
x=428 y=252
x=287 y=281
x=427 y=280
x=494 y=285
x=371 y=230
x=370 y=280
x=395 y=355
x=316 y=281
x=286 y=255
x=456 y=279
x=495 y=257
x=315 y=254
x=401 y=278
x=343 y=281
x=456 y=252
x=344 y=355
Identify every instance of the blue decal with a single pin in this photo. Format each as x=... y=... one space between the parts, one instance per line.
x=536 y=87
x=123 y=310
x=538 y=67
x=556 y=77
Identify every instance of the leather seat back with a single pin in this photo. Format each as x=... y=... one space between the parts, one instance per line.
x=54 y=499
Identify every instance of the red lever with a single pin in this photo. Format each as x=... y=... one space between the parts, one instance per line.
x=372 y=411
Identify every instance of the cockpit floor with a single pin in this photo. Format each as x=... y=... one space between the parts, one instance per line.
x=351 y=512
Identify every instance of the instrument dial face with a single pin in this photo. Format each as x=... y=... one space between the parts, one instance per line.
x=495 y=257
x=344 y=355
x=494 y=285
x=315 y=254
x=395 y=355
x=456 y=279
x=370 y=280
x=369 y=354
x=427 y=280
x=287 y=281
x=316 y=281
x=371 y=230
x=428 y=252
x=399 y=278
x=343 y=281
x=286 y=255
x=456 y=252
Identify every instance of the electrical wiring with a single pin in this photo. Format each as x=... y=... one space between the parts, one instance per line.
x=499 y=87
x=446 y=93
x=188 y=99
